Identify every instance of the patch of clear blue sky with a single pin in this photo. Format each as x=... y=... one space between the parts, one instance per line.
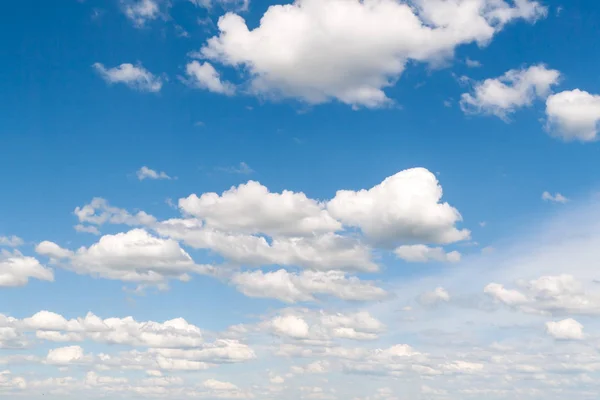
x=66 y=137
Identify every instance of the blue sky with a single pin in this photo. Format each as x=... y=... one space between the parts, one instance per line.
x=397 y=193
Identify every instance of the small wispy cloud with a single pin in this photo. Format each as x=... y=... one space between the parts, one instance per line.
x=11 y=241
x=141 y=11
x=242 y=168
x=556 y=198
x=135 y=77
x=472 y=63
x=148 y=173
x=86 y=229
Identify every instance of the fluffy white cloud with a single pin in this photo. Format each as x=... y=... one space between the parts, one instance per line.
x=134 y=256
x=573 y=115
x=291 y=326
x=67 y=355
x=556 y=198
x=403 y=208
x=148 y=173
x=205 y=76
x=251 y=208
x=300 y=49
x=135 y=77
x=11 y=241
x=422 y=253
x=291 y=288
x=141 y=11
x=515 y=89
x=319 y=252
x=322 y=328
x=565 y=329
x=16 y=269
x=555 y=295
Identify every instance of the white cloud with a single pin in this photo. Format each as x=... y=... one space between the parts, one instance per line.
x=291 y=326
x=515 y=89
x=403 y=208
x=134 y=256
x=472 y=63
x=141 y=11
x=317 y=367
x=556 y=198
x=299 y=49
x=567 y=329
x=11 y=241
x=16 y=269
x=147 y=173
x=99 y=212
x=320 y=252
x=135 y=77
x=214 y=384
x=306 y=286
x=251 y=208
x=573 y=115
x=554 y=295
x=87 y=229
x=67 y=355
x=421 y=253
x=242 y=169
x=205 y=76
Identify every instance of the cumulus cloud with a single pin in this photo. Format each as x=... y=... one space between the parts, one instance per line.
x=134 y=256
x=148 y=173
x=421 y=253
x=567 y=329
x=293 y=287
x=205 y=76
x=515 y=89
x=135 y=77
x=252 y=208
x=554 y=198
x=17 y=269
x=573 y=115
x=403 y=208
x=299 y=49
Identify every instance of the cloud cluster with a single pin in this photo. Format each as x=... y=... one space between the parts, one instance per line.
x=299 y=49
x=552 y=295
x=515 y=89
x=248 y=225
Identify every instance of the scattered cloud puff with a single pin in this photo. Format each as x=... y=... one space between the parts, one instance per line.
x=205 y=76
x=554 y=198
x=242 y=169
x=135 y=77
x=421 y=253
x=17 y=269
x=573 y=115
x=371 y=44
x=148 y=173
x=567 y=329
x=142 y=11
x=515 y=89
x=11 y=241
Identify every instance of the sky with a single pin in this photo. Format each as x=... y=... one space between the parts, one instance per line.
x=318 y=199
